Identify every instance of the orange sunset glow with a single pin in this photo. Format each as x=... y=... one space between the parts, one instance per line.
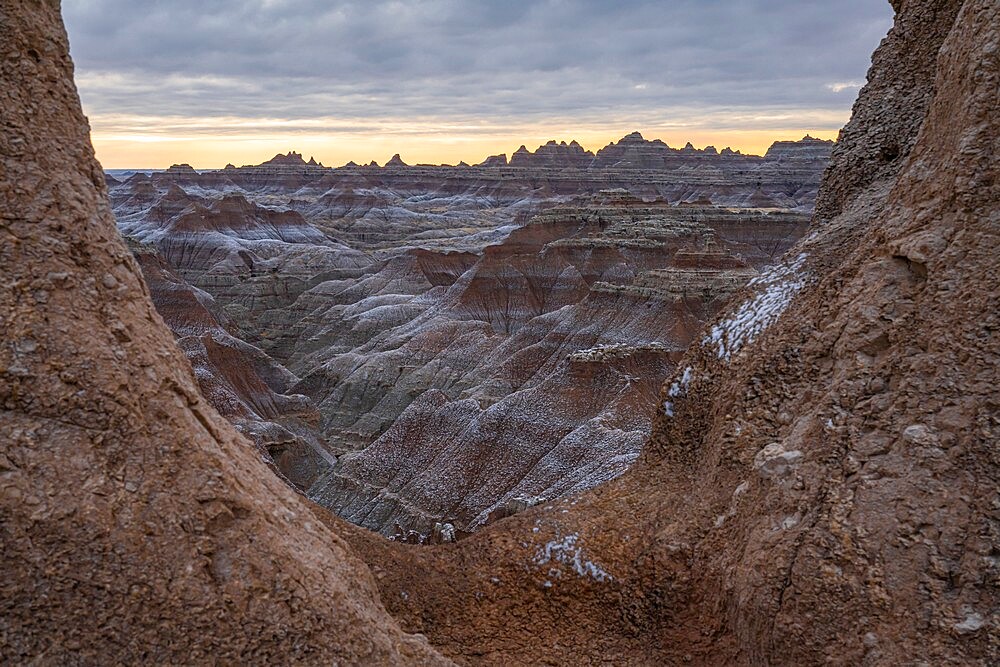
x=417 y=145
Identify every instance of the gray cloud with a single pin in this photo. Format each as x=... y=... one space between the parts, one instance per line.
x=468 y=59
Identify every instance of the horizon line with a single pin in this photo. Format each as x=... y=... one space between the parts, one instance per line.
x=809 y=134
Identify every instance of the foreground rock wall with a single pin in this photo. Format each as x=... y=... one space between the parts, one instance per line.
x=857 y=435
x=890 y=109
x=135 y=524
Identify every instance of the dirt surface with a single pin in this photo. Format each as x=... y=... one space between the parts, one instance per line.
x=820 y=486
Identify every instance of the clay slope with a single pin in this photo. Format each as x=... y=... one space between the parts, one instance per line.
x=533 y=374
x=243 y=383
x=137 y=526
x=448 y=309
x=821 y=482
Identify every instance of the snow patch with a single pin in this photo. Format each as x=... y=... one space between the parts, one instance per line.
x=678 y=388
x=565 y=551
x=608 y=351
x=972 y=623
x=447 y=533
x=778 y=285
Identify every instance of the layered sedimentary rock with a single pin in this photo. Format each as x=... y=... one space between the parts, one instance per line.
x=789 y=171
x=197 y=236
x=378 y=289
x=464 y=312
x=491 y=392
x=372 y=300
x=239 y=380
x=819 y=487
x=554 y=155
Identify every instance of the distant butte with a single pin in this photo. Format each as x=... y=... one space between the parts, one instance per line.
x=396 y=161
x=291 y=158
x=630 y=152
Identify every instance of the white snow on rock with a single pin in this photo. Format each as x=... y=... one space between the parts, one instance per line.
x=607 y=351
x=447 y=533
x=565 y=551
x=778 y=286
x=677 y=389
x=972 y=623
x=776 y=461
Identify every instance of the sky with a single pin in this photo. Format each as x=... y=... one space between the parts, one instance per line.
x=237 y=81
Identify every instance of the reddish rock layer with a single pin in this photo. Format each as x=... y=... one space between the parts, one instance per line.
x=239 y=380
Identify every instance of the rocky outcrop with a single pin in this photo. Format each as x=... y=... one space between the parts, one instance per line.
x=808 y=149
x=819 y=486
x=452 y=460
x=494 y=161
x=858 y=454
x=396 y=161
x=633 y=151
x=874 y=145
x=650 y=169
x=290 y=159
x=137 y=524
x=553 y=155
x=181 y=170
x=196 y=236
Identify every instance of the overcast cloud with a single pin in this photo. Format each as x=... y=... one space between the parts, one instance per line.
x=467 y=59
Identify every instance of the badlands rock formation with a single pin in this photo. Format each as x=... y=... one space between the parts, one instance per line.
x=473 y=329
x=819 y=486
x=331 y=302
x=534 y=372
